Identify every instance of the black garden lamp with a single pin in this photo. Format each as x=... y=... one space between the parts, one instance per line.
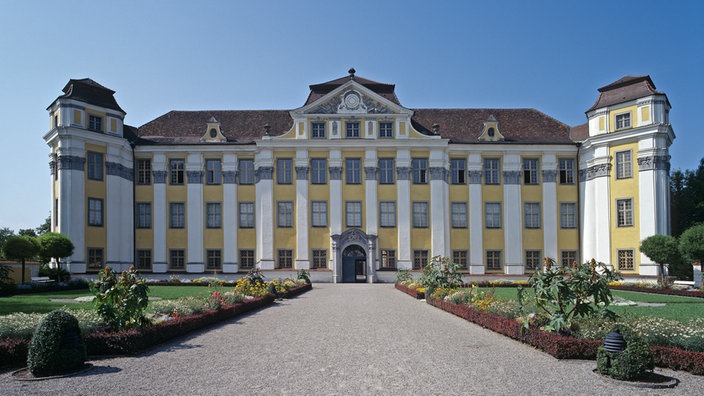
x=614 y=342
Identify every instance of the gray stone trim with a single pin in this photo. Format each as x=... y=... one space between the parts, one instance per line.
x=194 y=177
x=335 y=172
x=602 y=170
x=74 y=106
x=71 y=162
x=301 y=173
x=657 y=162
x=114 y=115
x=438 y=173
x=229 y=177
x=512 y=177
x=52 y=167
x=549 y=175
x=475 y=177
x=116 y=169
x=264 y=173
x=582 y=174
x=159 y=177
x=403 y=173
x=370 y=172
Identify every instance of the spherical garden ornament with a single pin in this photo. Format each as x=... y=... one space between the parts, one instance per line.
x=624 y=356
x=57 y=346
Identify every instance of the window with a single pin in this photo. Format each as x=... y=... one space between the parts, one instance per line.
x=566 y=169
x=353 y=170
x=319 y=213
x=318 y=171
x=420 y=170
x=460 y=257
x=493 y=260
x=388 y=259
x=568 y=257
x=246 y=214
x=95 y=166
x=177 y=259
x=530 y=171
x=386 y=171
x=144 y=259
x=213 y=259
x=284 y=171
x=533 y=259
x=246 y=259
x=531 y=215
x=420 y=214
x=177 y=215
x=285 y=258
x=95 y=258
x=625 y=260
x=284 y=214
x=624 y=212
x=144 y=171
x=623 y=120
x=492 y=170
x=353 y=211
x=144 y=215
x=95 y=123
x=624 y=168
x=387 y=214
x=352 y=130
x=458 y=171
x=459 y=215
x=320 y=258
x=213 y=171
x=492 y=215
x=568 y=215
x=245 y=170
x=177 y=168
x=318 y=130
x=213 y=215
x=386 y=129
x=420 y=259
x=95 y=212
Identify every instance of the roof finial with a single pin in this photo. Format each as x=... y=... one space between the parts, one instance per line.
x=436 y=129
x=266 y=129
x=352 y=71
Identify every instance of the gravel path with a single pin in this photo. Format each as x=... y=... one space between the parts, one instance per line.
x=342 y=339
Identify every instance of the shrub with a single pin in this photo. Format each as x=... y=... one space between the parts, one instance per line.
x=441 y=272
x=57 y=345
x=57 y=274
x=403 y=275
x=304 y=275
x=121 y=302
x=628 y=365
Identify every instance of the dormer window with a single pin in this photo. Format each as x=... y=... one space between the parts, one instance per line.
x=95 y=123
x=491 y=132
x=213 y=133
x=623 y=120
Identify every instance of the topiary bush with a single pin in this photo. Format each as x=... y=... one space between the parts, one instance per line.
x=632 y=363
x=57 y=345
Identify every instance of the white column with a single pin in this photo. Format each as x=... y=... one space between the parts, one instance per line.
x=194 y=213
x=598 y=185
x=550 y=206
x=302 y=250
x=403 y=205
x=72 y=207
x=159 y=214
x=229 y=213
x=513 y=219
x=587 y=218
x=439 y=211
x=370 y=190
x=653 y=199
x=127 y=191
x=335 y=165
x=114 y=210
x=476 y=228
x=264 y=216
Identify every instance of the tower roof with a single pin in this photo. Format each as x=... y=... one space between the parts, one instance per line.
x=624 y=90
x=88 y=91
x=317 y=91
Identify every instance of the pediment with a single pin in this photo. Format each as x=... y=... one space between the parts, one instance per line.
x=352 y=98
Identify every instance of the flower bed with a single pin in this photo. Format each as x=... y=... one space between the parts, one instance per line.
x=411 y=292
x=563 y=347
x=295 y=291
x=659 y=290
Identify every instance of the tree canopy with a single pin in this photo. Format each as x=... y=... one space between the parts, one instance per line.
x=54 y=245
x=692 y=244
x=21 y=248
x=687 y=198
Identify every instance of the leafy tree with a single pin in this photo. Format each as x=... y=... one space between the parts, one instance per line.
x=662 y=249
x=54 y=245
x=692 y=244
x=687 y=198
x=45 y=227
x=4 y=234
x=21 y=248
x=27 y=232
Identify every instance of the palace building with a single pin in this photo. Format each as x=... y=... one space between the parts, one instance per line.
x=352 y=185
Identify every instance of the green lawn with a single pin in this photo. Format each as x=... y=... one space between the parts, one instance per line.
x=39 y=302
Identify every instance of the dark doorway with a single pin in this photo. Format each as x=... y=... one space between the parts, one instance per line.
x=354 y=263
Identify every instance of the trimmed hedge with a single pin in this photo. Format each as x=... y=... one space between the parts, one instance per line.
x=563 y=347
x=413 y=293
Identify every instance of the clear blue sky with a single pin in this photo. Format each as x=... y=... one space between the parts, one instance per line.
x=226 y=55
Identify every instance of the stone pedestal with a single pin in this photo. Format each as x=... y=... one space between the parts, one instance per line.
x=697 y=271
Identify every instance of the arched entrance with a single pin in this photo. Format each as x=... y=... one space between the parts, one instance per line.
x=354 y=262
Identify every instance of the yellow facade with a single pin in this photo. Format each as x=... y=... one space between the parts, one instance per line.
x=625 y=237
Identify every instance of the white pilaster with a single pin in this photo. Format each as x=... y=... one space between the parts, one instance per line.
x=598 y=186
x=439 y=194
x=335 y=164
x=550 y=206
x=229 y=214
x=403 y=198
x=72 y=203
x=302 y=216
x=476 y=229
x=114 y=211
x=513 y=219
x=194 y=213
x=372 y=206
x=264 y=216
x=159 y=213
